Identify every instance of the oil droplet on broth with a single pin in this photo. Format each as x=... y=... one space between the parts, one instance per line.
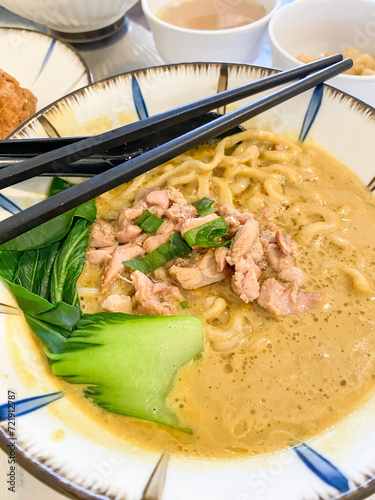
x=58 y=435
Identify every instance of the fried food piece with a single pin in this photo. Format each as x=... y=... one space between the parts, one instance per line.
x=363 y=63
x=16 y=104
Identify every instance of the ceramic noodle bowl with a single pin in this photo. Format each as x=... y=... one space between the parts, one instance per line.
x=74 y=452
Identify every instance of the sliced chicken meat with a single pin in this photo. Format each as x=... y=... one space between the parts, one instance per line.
x=168 y=227
x=154 y=299
x=181 y=213
x=118 y=303
x=284 y=243
x=292 y=274
x=232 y=214
x=128 y=216
x=175 y=196
x=281 y=259
x=203 y=270
x=195 y=222
x=130 y=232
x=158 y=200
x=257 y=245
x=245 y=243
x=233 y=224
x=153 y=242
x=100 y=256
x=221 y=255
x=267 y=221
x=115 y=265
x=279 y=299
x=245 y=279
x=102 y=234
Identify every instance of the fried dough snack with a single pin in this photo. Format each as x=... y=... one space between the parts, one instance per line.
x=363 y=63
x=16 y=104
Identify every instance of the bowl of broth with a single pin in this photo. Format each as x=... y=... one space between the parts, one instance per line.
x=241 y=368
x=209 y=30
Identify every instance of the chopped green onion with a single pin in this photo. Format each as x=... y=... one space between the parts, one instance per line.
x=184 y=304
x=149 y=222
x=175 y=247
x=208 y=234
x=204 y=207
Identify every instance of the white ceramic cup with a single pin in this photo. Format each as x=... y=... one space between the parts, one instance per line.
x=314 y=27
x=175 y=44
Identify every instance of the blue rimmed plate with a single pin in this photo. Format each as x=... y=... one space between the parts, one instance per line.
x=42 y=64
x=88 y=462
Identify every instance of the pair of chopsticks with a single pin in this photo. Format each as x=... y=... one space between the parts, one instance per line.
x=12 y=152
x=95 y=186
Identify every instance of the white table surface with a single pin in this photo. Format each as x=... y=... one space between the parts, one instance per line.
x=104 y=59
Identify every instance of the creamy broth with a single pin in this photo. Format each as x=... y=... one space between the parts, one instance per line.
x=265 y=383
x=212 y=14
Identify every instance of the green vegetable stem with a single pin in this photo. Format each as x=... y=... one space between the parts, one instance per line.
x=149 y=222
x=175 y=247
x=204 y=207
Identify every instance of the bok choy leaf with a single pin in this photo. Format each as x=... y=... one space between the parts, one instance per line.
x=43 y=280
x=68 y=264
x=130 y=362
x=55 y=229
x=52 y=324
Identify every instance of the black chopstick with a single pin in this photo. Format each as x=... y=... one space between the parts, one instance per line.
x=64 y=156
x=88 y=167
x=38 y=146
x=91 y=188
x=84 y=168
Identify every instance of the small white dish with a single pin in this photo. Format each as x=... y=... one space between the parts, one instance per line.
x=74 y=20
x=175 y=44
x=42 y=64
x=314 y=27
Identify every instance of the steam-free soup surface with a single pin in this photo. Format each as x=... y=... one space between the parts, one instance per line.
x=265 y=382
x=212 y=14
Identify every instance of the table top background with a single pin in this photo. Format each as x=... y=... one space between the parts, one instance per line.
x=129 y=49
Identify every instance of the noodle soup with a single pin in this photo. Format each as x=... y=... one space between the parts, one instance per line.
x=266 y=380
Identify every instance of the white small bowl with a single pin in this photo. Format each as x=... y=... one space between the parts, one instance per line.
x=74 y=20
x=314 y=27
x=175 y=44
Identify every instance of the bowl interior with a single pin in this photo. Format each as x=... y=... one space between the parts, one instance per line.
x=314 y=27
x=117 y=470
x=153 y=8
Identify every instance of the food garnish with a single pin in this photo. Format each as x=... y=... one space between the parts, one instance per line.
x=149 y=222
x=209 y=234
x=176 y=246
x=204 y=207
x=16 y=104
